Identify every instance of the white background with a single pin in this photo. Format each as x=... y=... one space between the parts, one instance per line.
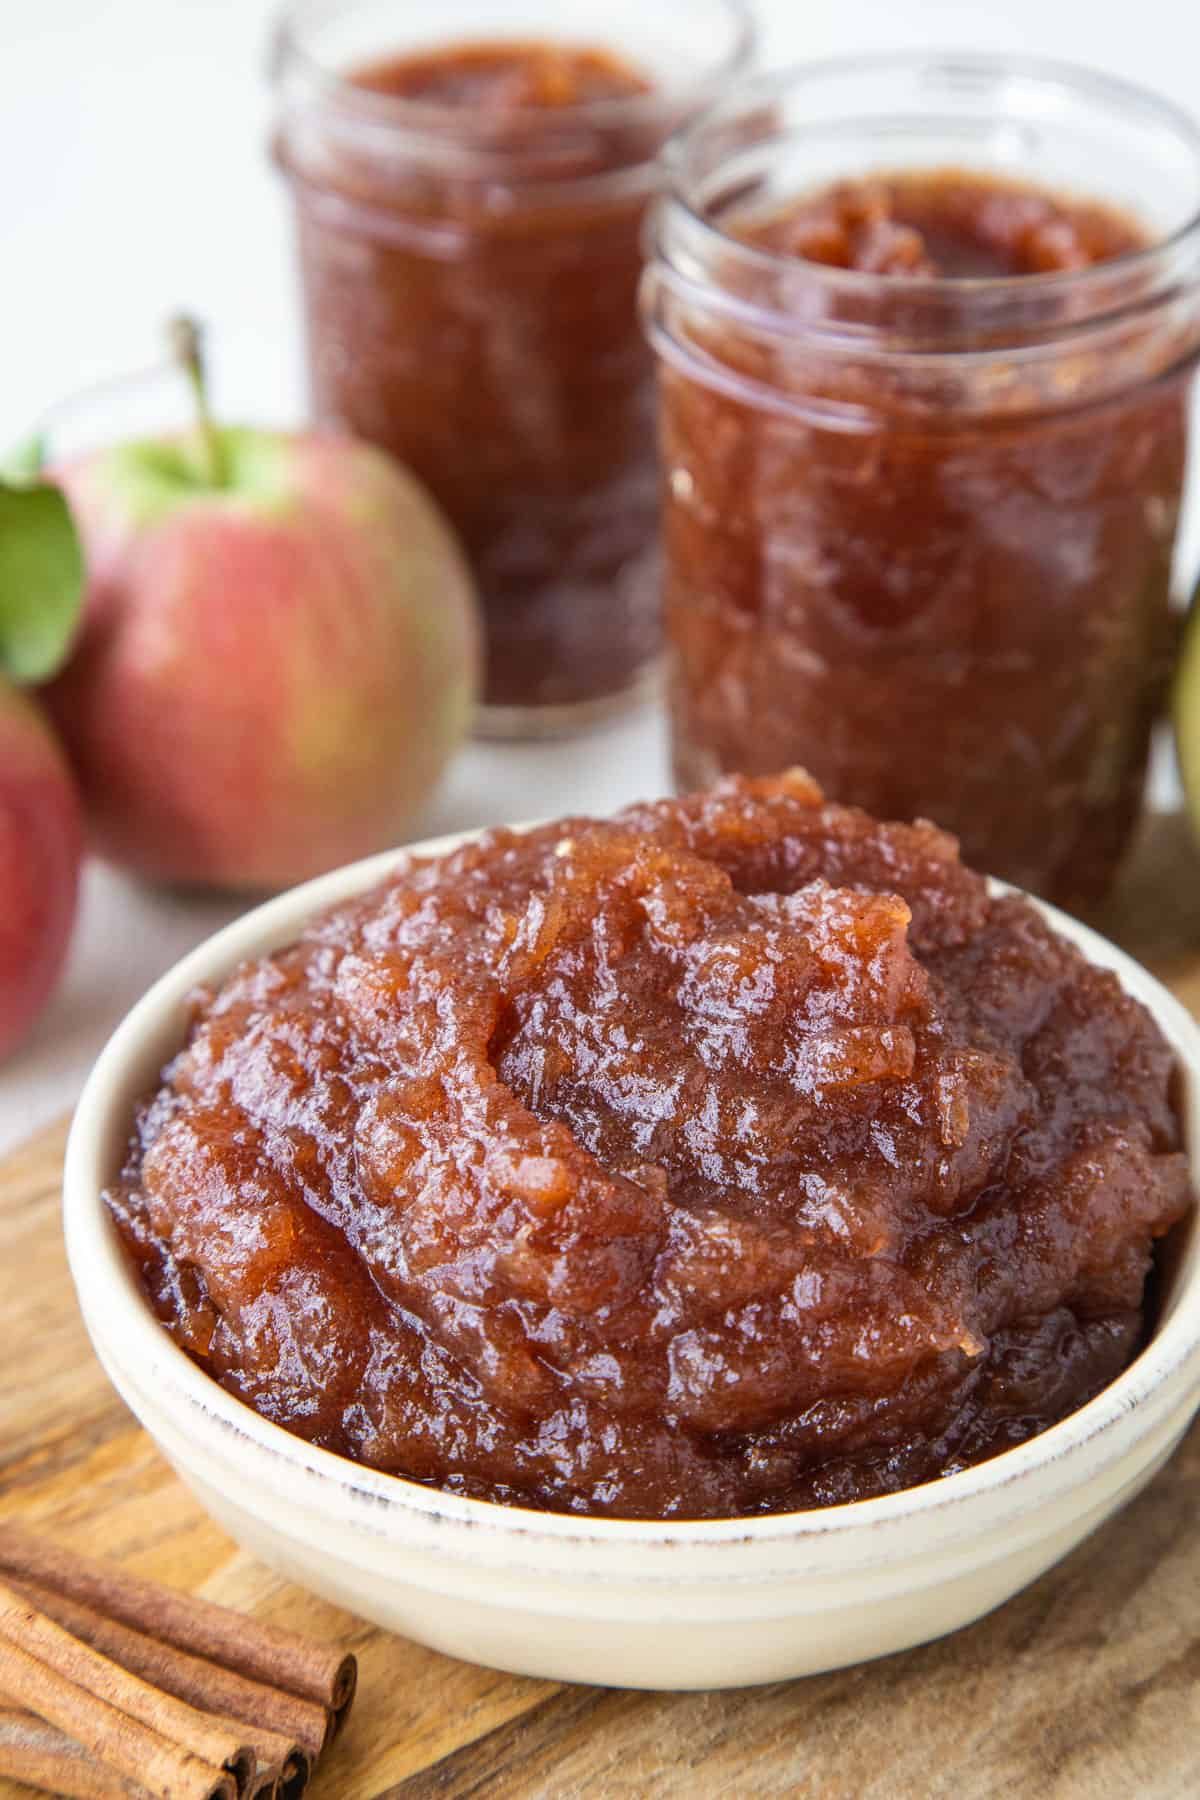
x=134 y=180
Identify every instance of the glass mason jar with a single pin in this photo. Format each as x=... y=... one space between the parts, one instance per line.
x=919 y=530
x=470 y=281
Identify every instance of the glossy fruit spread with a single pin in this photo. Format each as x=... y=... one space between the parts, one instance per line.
x=505 y=78
x=945 y=223
x=737 y=1154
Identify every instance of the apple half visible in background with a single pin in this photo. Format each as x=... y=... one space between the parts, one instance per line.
x=41 y=846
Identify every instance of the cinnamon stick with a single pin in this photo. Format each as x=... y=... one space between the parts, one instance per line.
x=279 y=1727
x=42 y=1756
x=260 y=1652
x=218 y=1742
x=165 y=1771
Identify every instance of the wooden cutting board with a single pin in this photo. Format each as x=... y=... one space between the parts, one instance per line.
x=1085 y=1687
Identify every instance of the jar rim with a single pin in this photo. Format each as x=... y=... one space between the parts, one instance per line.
x=755 y=92
x=427 y=119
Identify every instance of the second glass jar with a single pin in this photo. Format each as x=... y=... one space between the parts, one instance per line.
x=469 y=212
x=919 y=530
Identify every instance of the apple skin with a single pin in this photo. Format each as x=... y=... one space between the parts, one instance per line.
x=271 y=673
x=41 y=849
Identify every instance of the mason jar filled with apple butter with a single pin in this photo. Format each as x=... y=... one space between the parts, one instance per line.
x=926 y=330
x=470 y=187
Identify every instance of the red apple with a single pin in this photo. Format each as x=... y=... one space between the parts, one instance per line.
x=40 y=855
x=279 y=653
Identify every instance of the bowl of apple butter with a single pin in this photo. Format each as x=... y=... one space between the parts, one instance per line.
x=735 y=1212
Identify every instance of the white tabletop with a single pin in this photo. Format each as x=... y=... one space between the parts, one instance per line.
x=135 y=182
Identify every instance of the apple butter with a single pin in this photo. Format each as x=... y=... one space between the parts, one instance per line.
x=924 y=437
x=734 y=1155
x=469 y=219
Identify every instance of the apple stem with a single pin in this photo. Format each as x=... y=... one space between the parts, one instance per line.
x=187 y=347
x=23 y=466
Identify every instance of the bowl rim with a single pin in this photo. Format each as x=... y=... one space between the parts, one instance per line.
x=1077 y=1447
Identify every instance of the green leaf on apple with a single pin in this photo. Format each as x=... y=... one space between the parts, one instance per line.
x=41 y=580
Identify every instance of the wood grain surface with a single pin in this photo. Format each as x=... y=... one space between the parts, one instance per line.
x=1085 y=1687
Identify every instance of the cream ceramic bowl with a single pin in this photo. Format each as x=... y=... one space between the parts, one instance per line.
x=672 y=1605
